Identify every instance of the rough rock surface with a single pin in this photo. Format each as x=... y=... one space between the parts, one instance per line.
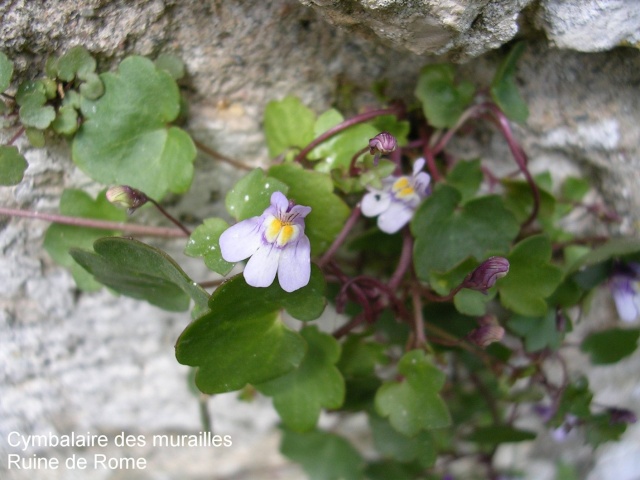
x=94 y=362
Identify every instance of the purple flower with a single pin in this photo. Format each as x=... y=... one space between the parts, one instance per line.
x=383 y=143
x=276 y=243
x=485 y=275
x=399 y=197
x=625 y=288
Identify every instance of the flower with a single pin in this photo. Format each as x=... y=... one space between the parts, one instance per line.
x=276 y=243
x=399 y=197
x=487 y=333
x=485 y=275
x=625 y=288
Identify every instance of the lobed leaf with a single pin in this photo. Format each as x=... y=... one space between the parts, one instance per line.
x=6 y=72
x=126 y=138
x=12 y=165
x=287 y=124
x=413 y=404
x=300 y=395
x=204 y=242
x=504 y=90
x=242 y=339
x=610 y=346
x=251 y=195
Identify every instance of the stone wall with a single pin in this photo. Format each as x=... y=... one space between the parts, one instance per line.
x=81 y=362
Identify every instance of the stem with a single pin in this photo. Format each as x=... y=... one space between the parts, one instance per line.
x=205 y=416
x=347 y=327
x=405 y=260
x=429 y=156
x=212 y=153
x=174 y=220
x=420 y=338
x=467 y=115
x=353 y=170
x=16 y=136
x=353 y=218
x=361 y=118
x=141 y=230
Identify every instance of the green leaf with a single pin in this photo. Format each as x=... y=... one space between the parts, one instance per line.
x=126 y=138
x=393 y=444
x=76 y=62
x=504 y=90
x=614 y=248
x=599 y=429
x=447 y=233
x=323 y=456
x=6 y=72
x=35 y=137
x=66 y=122
x=60 y=238
x=33 y=112
x=172 y=64
x=251 y=196
x=92 y=88
x=519 y=200
x=140 y=271
x=531 y=277
x=413 y=404
x=575 y=188
x=466 y=177
x=337 y=151
x=538 y=332
x=314 y=189
x=242 y=339
x=287 y=124
x=12 y=165
x=610 y=346
x=359 y=358
x=497 y=434
x=300 y=395
x=204 y=242
x=442 y=101
x=471 y=302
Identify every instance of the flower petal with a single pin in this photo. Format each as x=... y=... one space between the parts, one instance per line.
x=418 y=166
x=421 y=183
x=395 y=217
x=241 y=240
x=262 y=266
x=294 y=269
x=375 y=202
x=279 y=201
x=625 y=298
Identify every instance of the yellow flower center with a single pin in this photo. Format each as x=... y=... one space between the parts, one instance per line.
x=402 y=188
x=280 y=232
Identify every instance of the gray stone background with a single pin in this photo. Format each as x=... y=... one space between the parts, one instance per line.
x=98 y=363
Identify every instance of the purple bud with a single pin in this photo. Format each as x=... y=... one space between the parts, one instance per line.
x=128 y=197
x=383 y=143
x=621 y=415
x=487 y=333
x=485 y=276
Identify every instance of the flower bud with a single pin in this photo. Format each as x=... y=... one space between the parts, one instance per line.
x=383 y=144
x=621 y=415
x=485 y=276
x=487 y=333
x=125 y=196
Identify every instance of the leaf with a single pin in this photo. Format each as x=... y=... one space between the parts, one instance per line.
x=300 y=395
x=393 y=444
x=575 y=188
x=599 y=429
x=140 y=271
x=614 y=248
x=92 y=88
x=447 y=233
x=610 y=346
x=60 y=238
x=413 y=404
x=359 y=358
x=251 y=196
x=531 y=277
x=66 y=122
x=314 y=189
x=287 y=124
x=471 y=302
x=497 y=434
x=323 y=456
x=504 y=90
x=172 y=64
x=6 y=72
x=539 y=332
x=12 y=165
x=126 y=138
x=204 y=242
x=442 y=101
x=242 y=339
x=391 y=124
x=76 y=62
x=519 y=200
x=466 y=177
x=33 y=111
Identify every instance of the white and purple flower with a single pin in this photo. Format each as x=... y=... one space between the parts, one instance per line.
x=276 y=243
x=625 y=288
x=398 y=199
